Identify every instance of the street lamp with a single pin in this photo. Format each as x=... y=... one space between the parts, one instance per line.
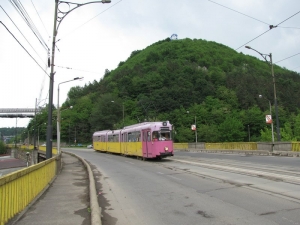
x=260 y=96
x=275 y=98
x=58 y=112
x=34 y=154
x=58 y=18
x=122 y=111
x=195 y=129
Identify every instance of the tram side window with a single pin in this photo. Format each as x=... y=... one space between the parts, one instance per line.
x=116 y=138
x=134 y=136
x=102 y=138
x=110 y=138
x=155 y=136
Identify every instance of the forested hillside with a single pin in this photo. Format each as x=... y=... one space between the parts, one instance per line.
x=186 y=81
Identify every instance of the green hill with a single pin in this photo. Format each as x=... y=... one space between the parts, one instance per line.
x=216 y=85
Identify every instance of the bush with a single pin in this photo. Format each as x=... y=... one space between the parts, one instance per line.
x=2 y=148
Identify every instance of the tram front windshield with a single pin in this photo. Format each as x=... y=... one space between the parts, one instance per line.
x=161 y=136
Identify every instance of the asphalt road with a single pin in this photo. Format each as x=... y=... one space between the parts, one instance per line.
x=292 y=162
x=178 y=192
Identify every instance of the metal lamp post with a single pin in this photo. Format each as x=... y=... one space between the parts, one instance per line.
x=123 y=113
x=260 y=96
x=275 y=98
x=122 y=110
x=195 y=130
x=58 y=112
x=58 y=18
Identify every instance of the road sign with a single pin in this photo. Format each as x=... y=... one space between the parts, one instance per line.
x=269 y=119
x=193 y=127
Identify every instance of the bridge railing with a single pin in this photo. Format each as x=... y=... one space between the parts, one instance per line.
x=244 y=146
x=20 y=188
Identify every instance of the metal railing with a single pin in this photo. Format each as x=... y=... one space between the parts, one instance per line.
x=20 y=188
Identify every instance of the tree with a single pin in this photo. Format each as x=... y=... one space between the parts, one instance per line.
x=2 y=148
x=231 y=130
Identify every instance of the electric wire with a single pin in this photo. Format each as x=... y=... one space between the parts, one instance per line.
x=287 y=58
x=291 y=27
x=288 y=18
x=25 y=16
x=253 y=39
x=249 y=16
x=22 y=34
x=238 y=12
x=271 y=27
x=30 y=23
x=24 y=48
x=40 y=18
x=89 y=20
x=69 y=68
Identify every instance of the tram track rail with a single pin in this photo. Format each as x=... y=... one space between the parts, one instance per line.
x=262 y=171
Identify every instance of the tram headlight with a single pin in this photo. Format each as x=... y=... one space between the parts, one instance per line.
x=166 y=149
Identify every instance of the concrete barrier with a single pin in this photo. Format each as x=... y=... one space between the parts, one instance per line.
x=95 y=209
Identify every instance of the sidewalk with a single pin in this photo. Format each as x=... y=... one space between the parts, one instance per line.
x=7 y=162
x=66 y=201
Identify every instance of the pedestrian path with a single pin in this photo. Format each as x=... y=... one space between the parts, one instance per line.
x=66 y=201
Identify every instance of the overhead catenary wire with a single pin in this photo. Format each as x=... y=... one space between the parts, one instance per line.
x=69 y=68
x=24 y=48
x=25 y=16
x=22 y=34
x=287 y=58
x=271 y=27
x=40 y=18
x=237 y=11
x=250 y=16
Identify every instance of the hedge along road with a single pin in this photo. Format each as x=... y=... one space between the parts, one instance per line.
x=171 y=192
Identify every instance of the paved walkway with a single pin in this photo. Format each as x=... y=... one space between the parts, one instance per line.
x=66 y=202
x=7 y=162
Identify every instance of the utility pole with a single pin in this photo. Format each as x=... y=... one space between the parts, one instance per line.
x=62 y=14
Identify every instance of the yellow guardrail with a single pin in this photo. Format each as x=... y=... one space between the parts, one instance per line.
x=296 y=146
x=19 y=188
x=43 y=148
x=31 y=147
x=232 y=146
x=180 y=145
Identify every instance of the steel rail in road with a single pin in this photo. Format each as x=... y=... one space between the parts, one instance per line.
x=258 y=171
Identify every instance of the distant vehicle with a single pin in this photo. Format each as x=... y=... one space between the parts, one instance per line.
x=79 y=145
x=43 y=145
x=89 y=146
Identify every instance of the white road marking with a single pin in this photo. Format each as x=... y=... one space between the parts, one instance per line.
x=160 y=173
x=174 y=177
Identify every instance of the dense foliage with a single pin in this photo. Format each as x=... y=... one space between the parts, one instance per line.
x=186 y=82
x=2 y=148
x=10 y=134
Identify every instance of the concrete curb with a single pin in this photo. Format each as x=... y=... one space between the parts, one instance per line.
x=95 y=209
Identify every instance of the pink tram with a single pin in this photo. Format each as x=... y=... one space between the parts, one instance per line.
x=143 y=140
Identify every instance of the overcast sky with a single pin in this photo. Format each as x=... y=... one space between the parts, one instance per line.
x=96 y=37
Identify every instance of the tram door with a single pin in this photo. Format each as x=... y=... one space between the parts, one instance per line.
x=147 y=143
x=124 y=144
